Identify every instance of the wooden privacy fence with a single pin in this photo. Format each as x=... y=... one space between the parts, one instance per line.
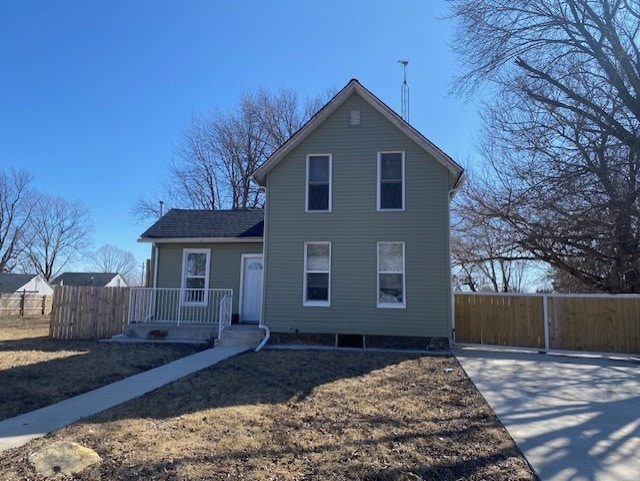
x=570 y=322
x=25 y=304
x=88 y=312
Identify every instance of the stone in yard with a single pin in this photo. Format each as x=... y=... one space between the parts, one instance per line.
x=63 y=458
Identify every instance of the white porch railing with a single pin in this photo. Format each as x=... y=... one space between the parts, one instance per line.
x=225 y=314
x=199 y=306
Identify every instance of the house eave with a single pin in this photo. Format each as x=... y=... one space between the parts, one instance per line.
x=199 y=240
x=455 y=170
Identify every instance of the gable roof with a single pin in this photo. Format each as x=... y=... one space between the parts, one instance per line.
x=13 y=282
x=455 y=170
x=98 y=279
x=199 y=225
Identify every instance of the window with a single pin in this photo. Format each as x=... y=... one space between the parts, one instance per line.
x=319 y=183
x=195 y=276
x=390 y=180
x=317 y=273
x=391 y=286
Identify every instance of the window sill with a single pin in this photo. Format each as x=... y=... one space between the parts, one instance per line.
x=388 y=305
x=390 y=210
x=316 y=304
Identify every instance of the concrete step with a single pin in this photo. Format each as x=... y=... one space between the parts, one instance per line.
x=240 y=336
x=171 y=332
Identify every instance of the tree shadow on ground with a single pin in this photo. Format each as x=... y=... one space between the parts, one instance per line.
x=301 y=415
x=572 y=417
x=42 y=371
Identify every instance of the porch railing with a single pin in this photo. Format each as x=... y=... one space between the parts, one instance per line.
x=225 y=314
x=199 y=306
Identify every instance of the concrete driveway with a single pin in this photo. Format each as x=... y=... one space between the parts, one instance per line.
x=574 y=418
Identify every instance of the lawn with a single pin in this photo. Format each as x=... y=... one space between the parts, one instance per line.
x=295 y=415
x=36 y=371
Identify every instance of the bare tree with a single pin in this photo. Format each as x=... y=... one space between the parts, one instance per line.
x=59 y=232
x=485 y=256
x=562 y=132
x=110 y=258
x=216 y=154
x=16 y=203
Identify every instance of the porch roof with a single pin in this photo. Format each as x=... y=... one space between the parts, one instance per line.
x=184 y=224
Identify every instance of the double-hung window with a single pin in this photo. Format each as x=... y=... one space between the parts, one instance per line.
x=390 y=180
x=391 y=278
x=317 y=273
x=195 y=276
x=319 y=183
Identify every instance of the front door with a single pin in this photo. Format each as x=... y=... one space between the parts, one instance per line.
x=251 y=297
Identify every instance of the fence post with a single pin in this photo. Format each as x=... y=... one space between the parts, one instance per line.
x=22 y=299
x=545 y=310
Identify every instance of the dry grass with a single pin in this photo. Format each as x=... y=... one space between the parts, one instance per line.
x=290 y=415
x=36 y=371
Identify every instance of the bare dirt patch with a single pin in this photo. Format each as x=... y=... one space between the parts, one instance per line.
x=288 y=415
x=36 y=371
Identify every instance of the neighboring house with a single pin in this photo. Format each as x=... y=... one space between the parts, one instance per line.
x=85 y=279
x=20 y=283
x=204 y=249
x=356 y=234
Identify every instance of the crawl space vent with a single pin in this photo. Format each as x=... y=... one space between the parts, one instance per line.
x=354 y=117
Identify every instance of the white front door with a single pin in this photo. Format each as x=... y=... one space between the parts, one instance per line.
x=251 y=285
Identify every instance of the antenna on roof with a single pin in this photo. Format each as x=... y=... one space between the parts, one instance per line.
x=404 y=108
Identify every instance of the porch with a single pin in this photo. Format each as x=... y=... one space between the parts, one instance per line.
x=183 y=315
x=159 y=311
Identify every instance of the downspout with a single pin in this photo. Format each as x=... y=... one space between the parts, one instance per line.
x=267 y=333
x=155 y=265
x=262 y=325
x=456 y=187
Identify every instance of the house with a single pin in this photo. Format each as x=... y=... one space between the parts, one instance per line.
x=86 y=279
x=198 y=250
x=24 y=283
x=353 y=244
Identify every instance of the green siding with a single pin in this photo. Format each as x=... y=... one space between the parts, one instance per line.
x=354 y=227
x=224 y=272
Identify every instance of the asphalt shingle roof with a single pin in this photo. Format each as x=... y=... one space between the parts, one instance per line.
x=13 y=282
x=98 y=279
x=186 y=223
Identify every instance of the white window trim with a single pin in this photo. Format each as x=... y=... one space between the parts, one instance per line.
x=306 y=303
x=306 y=188
x=379 y=179
x=391 y=305
x=183 y=282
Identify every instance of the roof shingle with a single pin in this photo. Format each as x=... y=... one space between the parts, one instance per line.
x=97 y=279
x=188 y=223
x=13 y=282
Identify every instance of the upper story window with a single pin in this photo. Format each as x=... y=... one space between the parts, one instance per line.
x=319 y=183
x=195 y=276
x=390 y=180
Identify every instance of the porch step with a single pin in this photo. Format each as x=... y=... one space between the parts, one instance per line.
x=240 y=336
x=162 y=331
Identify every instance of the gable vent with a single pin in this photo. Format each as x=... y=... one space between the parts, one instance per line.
x=354 y=117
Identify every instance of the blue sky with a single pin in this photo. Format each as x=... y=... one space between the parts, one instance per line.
x=94 y=93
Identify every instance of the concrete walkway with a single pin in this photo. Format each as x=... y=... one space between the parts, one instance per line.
x=574 y=418
x=17 y=431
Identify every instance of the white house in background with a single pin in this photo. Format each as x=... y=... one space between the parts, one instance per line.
x=29 y=283
x=88 y=279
